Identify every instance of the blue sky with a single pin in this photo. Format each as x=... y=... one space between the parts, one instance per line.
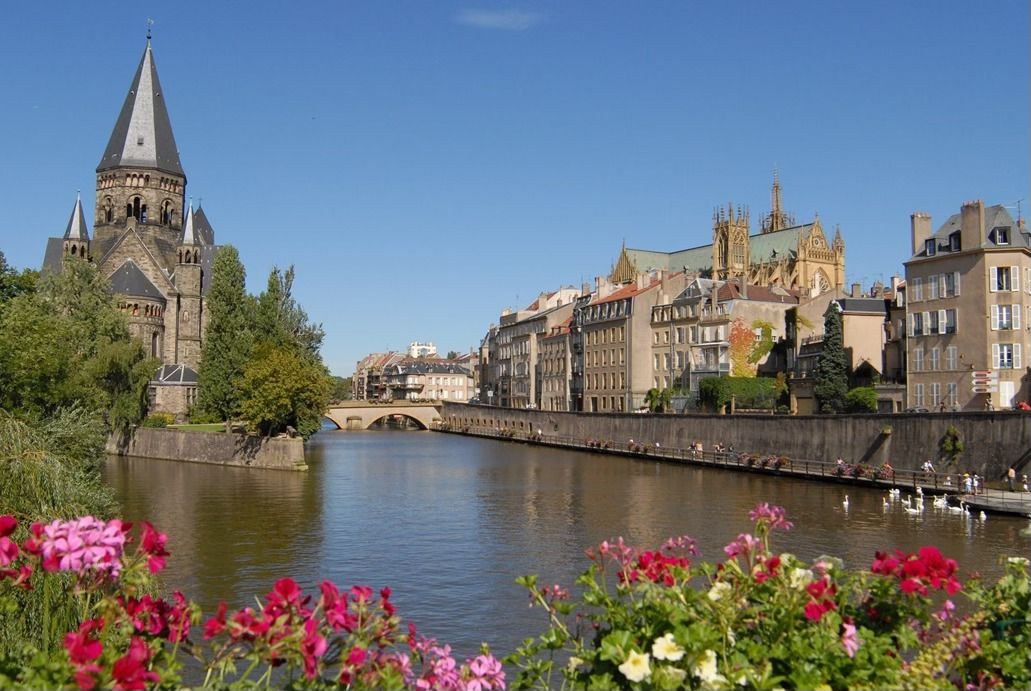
x=426 y=164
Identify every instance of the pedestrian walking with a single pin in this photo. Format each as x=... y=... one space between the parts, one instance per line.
x=977 y=484
x=1011 y=475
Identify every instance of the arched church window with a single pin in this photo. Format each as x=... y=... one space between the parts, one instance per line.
x=154 y=344
x=73 y=250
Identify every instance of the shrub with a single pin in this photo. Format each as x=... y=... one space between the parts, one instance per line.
x=862 y=399
x=159 y=420
x=748 y=392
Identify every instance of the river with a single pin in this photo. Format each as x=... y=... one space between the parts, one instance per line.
x=449 y=522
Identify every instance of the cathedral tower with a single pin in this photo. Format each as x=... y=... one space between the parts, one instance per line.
x=140 y=181
x=730 y=246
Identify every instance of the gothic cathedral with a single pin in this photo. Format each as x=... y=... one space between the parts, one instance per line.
x=155 y=250
x=783 y=253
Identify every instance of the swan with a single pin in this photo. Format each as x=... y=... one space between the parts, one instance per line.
x=910 y=511
x=844 y=503
x=884 y=503
x=920 y=491
x=982 y=516
x=955 y=509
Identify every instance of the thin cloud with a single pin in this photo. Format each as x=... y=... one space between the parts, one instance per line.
x=506 y=20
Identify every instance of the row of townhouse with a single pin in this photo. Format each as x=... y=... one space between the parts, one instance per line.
x=399 y=376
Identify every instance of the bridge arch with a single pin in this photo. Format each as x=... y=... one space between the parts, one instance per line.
x=360 y=415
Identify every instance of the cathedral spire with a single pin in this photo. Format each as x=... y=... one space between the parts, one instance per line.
x=189 y=234
x=142 y=136
x=778 y=218
x=76 y=229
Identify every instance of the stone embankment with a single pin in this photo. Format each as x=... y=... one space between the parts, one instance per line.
x=993 y=441
x=214 y=448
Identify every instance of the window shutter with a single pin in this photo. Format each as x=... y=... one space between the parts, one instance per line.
x=1015 y=309
x=993 y=278
x=995 y=356
x=941 y=321
x=927 y=323
x=1016 y=356
x=1027 y=280
x=956 y=274
x=941 y=285
x=910 y=326
x=995 y=317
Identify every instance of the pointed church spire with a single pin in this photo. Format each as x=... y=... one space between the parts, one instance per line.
x=77 y=229
x=625 y=270
x=189 y=234
x=142 y=136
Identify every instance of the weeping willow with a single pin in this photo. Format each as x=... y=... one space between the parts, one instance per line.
x=49 y=468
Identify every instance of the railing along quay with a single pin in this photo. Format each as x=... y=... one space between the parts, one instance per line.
x=989 y=500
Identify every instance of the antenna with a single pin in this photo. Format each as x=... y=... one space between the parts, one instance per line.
x=150 y=23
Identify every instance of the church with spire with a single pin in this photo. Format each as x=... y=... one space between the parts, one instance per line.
x=154 y=248
x=783 y=253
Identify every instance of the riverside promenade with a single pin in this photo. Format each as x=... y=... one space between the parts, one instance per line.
x=876 y=478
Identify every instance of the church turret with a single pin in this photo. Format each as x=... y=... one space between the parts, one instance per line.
x=76 y=235
x=778 y=218
x=140 y=179
x=730 y=244
x=188 y=277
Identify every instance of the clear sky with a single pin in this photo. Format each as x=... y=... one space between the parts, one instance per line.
x=426 y=164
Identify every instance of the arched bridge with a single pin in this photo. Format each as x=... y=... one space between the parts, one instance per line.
x=358 y=415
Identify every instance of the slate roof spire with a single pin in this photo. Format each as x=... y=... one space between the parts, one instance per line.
x=77 y=229
x=189 y=234
x=142 y=136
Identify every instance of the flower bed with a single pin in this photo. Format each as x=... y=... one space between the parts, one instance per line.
x=658 y=618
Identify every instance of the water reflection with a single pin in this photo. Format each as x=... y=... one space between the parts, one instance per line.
x=449 y=522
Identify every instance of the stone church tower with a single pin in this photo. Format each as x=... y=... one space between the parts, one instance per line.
x=730 y=251
x=157 y=258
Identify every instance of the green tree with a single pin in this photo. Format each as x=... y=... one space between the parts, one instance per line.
x=281 y=320
x=14 y=283
x=282 y=388
x=862 y=399
x=452 y=355
x=658 y=400
x=341 y=388
x=67 y=344
x=229 y=339
x=832 y=366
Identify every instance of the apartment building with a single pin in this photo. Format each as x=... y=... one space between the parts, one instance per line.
x=616 y=329
x=968 y=291
x=420 y=379
x=556 y=360
x=690 y=336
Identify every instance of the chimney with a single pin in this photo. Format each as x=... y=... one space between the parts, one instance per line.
x=642 y=280
x=895 y=280
x=744 y=287
x=857 y=290
x=920 y=224
x=585 y=289
x=972 y=225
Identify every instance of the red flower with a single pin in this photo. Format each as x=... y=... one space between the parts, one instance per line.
x=822 y=592
x=179 y=619
x=216 y=624
x=82 y=645
x=357 y=656
x=148 y=615
x=361 y=593
x=153 y=544
x=916 y=572
x=7 y=525
x=246 y=625
x=312 y=647
x=130 y=671
x=286 y=596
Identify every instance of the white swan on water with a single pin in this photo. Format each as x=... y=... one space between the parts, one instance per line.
x=844 y=503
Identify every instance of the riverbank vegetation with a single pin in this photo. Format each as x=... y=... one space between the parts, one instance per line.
x=261 y=359
x=642 y=619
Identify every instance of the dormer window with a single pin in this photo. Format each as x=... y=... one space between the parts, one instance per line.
x=954 y=245
x=1002 y=236
x=930 y=248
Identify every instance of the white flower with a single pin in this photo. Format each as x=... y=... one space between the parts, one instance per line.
x=636 y=667
x=573 y=663
x=800 y=578
x=731 y=638
x=719 y=590
x=706 y=670
x=1023 y=561
x=665 y=648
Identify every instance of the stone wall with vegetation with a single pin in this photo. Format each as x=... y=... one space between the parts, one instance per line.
x=215 y=448
x=992 y=441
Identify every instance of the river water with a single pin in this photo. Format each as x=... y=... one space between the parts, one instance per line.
x=449 y=522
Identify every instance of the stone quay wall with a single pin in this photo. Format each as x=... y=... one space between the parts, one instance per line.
x=214 y=448
x=993 y=441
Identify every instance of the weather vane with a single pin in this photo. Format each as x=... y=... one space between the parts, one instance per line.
x=150 y=23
